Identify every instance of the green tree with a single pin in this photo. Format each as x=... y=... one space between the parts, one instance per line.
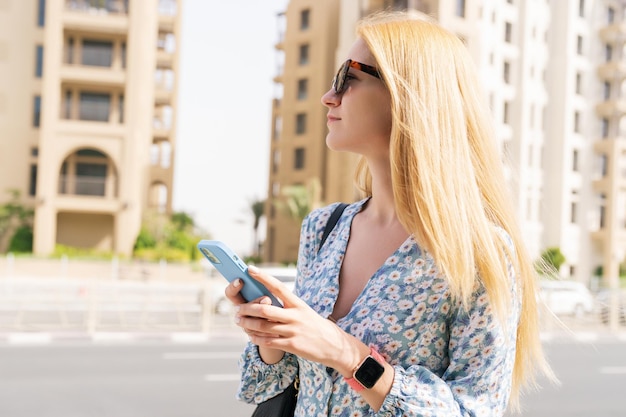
x=167 y=237
x=22 y=240
x=14 y=216
x=183 y=221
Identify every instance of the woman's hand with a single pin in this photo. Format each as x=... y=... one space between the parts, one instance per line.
x=295 y=328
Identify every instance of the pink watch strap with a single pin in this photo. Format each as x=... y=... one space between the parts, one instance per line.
x=356 y=385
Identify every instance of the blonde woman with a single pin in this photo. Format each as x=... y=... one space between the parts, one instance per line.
x=422 y=300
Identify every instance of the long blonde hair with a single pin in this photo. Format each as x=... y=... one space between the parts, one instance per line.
x=448 y=182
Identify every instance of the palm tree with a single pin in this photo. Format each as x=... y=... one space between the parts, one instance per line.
x=300 y=199
x=258 y=210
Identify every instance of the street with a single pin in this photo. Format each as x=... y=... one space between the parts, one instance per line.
x=158 y=378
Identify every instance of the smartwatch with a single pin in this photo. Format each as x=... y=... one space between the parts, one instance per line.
x=368 y=372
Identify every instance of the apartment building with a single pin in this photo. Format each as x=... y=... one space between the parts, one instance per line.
x=554 y=75
x=87 y=116
x=298 y=153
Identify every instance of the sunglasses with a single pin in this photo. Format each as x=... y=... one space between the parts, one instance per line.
x=340 y=79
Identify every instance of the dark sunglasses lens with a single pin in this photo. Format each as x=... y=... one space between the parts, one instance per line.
x=340 y=78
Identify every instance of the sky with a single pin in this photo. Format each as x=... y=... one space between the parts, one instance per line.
x=225 y=91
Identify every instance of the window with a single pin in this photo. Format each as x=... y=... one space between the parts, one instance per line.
x=577 y=122
x=90 y=179
x=68 y=104
x=579 y=45
x=95 y=106
x=460 y=8
x=120 y=108
x=123 y=52
x=608 y=52
x=302 y=89
x=605 y=127
x=300 y=123
x=579 y=82
x=69 y=56
x=575 y=160
x=610 y=15
x=39 y=61
x=298 y=158
x=32 y=181
x=573 y=212
x=305 y=16
x=278 y=127
x=275 y=161
x=602 y=216
x=37 y=111
x=581 y=8
x=41 y=13
x=508 y=32
x=304 y=54
x=505 y=112
x=607 y=90
x=506 y=72
x=97 y=53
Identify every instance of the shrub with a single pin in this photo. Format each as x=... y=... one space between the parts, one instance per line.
x=22 y=240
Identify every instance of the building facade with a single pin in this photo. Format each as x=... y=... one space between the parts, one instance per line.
x=88 y=94
x=298 y=154
x=554 y=76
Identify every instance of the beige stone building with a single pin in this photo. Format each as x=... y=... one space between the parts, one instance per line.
x=298 y=152
x=554 y=76
x=88 y=94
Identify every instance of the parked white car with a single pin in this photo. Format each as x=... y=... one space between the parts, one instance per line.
x=221 y=305
x=564 y=297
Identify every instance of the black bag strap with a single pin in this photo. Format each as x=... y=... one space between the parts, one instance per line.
x=332 y=221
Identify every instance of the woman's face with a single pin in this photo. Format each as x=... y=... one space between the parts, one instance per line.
x=359 y=118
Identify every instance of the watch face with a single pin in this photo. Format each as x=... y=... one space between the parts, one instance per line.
x=369 y=372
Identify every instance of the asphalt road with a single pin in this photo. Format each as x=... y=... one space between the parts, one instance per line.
x=165 y=379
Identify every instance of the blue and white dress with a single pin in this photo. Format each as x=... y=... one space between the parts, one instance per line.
x=448 y=361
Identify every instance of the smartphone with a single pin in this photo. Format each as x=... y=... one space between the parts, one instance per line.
x=232 y=267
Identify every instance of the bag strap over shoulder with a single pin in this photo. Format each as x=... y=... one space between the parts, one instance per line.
x=332 y=221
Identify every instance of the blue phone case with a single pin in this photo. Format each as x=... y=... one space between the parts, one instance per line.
x=231 y=267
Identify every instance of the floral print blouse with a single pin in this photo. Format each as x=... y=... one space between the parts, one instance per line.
x=448 y=361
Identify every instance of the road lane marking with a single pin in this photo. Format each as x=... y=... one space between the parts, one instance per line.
x=613 y=370
x=29 y=338
x=222 y=377
x=200 y=355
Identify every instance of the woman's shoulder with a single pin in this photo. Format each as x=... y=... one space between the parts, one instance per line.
x=320 y=215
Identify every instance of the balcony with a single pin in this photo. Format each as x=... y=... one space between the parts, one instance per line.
x=611 y=108
x=93 y=76
x=160 y=174
x=82 y=185
x=613 y=70
x=99 y=7
x=165 y=59
x=101 y=16
x=613 y=34
x=167 y=23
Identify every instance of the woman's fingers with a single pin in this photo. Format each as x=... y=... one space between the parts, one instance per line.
x=233 y=292
x=274 y=286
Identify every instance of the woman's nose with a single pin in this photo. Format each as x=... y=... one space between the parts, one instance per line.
x=330 y=98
